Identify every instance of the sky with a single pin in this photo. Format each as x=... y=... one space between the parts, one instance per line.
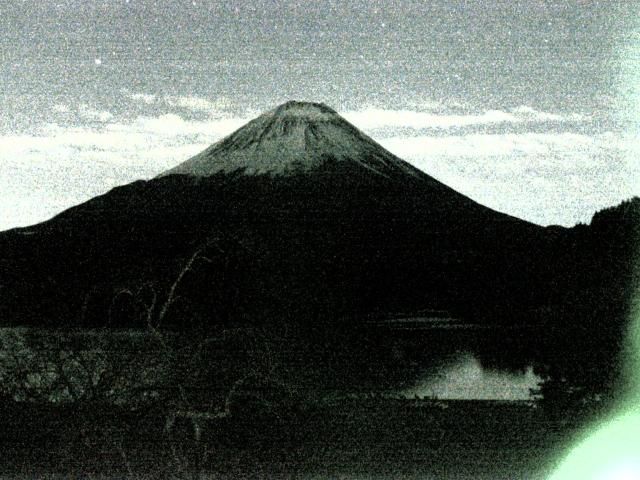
x=529 y=107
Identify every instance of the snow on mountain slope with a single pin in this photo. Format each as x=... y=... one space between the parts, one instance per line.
x=293 y=138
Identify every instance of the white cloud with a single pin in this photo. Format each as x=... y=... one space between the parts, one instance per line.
x=90 y=114
x=188 y=102
x=526 y=112
x=489 y=144
x=547 y=178
x=66 y=165
x=196 y=103
x=142 y=97
x=378 y=118
x=59 y=108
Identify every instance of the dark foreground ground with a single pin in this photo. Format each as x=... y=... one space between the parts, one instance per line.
x=352 y=439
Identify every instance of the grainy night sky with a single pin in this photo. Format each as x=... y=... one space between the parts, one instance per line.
x=529 y=107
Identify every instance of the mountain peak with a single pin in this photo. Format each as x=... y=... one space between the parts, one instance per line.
x=309 y=110
x=295 y=137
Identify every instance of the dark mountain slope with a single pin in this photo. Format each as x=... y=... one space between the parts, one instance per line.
x=290 y=244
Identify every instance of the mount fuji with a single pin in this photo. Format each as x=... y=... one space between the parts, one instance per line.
x=300 y=217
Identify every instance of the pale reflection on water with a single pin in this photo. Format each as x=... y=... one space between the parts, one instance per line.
x=462 y=377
